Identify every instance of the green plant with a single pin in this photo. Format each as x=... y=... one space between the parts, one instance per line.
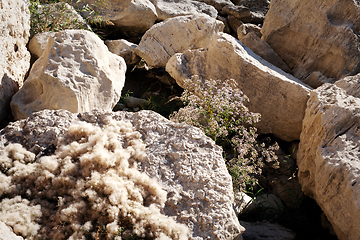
x=218 y=109
x=57 y=15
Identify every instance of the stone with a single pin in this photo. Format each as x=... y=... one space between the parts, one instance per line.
x=174 y=8
x=316 y=79
x=14 y=56
x=261 y=48
x=7 y=233
x=266 y=231
x=266 y=205
x=234 y=23
x=226 y=24
x=277 y=96
x=38 y=43
x=328 y=156
x=176 y=35
x=315 y=36
x=241 y=202
x=258 y=8
x=76 y=72
x=351 y=85
x=187 y=163
x=129 y=15
x=124 y=49
x=246 y=28
x=217 y=4
x=240 y=12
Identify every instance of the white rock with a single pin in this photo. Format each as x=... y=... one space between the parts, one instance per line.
x=277 y=96
x=315 y=36
x=7 y=233
x=76 y=72
x=173 y=8
x=328 y=156
x=131 y=15
x=176 y=35
x=188 y=164
x=242 y=201
x=14 y=56
x=38 y=43
x=124 y=49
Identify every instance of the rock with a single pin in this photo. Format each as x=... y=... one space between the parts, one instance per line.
x=246 y=28
x=316 y=79
x=351 y=85
x=76 y=72
x=277 y=96
x=266 y=231
x=129 y=15
x=328 y=156
x=265 y=205
x=176 y=35
x=217 y=4
x=188 y=164
x=234 y=23
x=124 y=49
x=38 y=43
x=315 y=36
x=240 y=12
x=174 y=8
x=135 y=102
x=7 y=233
x=261 y=48
x=288 y=189
x=14 y=56
x=226 y=23
x=258 y=8
x=242 y=201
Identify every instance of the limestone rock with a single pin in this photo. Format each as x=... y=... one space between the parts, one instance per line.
x=240 y=12
x=258 y=8
x=217 y=4
x=351 y=85
x=234 y=23
x=135 y=16
x=188 y=164
x=242 y=201
x=261 y=48
x=328 y=156
x=7 y=233
x=14 y=56
x=76 y=72
x=174 y=8
x=266 y=231
x=124 y=49
x=246 y=28
x=316 y=79
x=315 y=36
x=38 y=43
x=176 y=35
x=277 y=96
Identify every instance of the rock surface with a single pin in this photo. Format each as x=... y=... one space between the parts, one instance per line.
x=188 y=164
x=174 y=8
x=76 y=72
x=14 y=56
x=315 y=36
x=246 y=28
x=135 y=16
x=277 y=96
x=38 y=43
x=261 y=48
x=328 y=155
x=124 y=49
x=266 y=231
x=217 y=4
x=7 y=233
x=176 y=35
x=316 y=79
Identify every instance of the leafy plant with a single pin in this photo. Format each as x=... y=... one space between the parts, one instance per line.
x=219 y=110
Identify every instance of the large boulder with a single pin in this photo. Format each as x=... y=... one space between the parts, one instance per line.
x=315 y=36
x=176 y=35
x=76 y=72
x=134 y=16
x=174 y=8
x=277 y=96
x=124 y=49
x=188 y=165
x=328 y=155
x=14 y=56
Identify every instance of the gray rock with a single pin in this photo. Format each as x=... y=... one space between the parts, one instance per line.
x=188 y=164
x=217 y=4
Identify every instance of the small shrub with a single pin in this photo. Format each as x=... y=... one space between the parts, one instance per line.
x=219 y=110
